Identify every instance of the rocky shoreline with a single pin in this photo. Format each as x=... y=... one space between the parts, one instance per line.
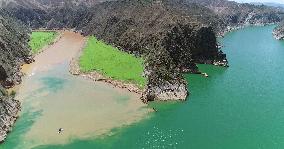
x=9 y=109
x=229 y=29
x=278 y=32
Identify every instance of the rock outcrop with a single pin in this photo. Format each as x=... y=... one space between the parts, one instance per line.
x=278 y=32
x=13 y=52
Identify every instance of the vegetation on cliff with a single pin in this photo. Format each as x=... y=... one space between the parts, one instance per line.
x=41 y=39
x=13 y=48
x=14 y=51
x=113 y=63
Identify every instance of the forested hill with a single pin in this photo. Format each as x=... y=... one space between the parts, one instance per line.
x=236 y=14
x=44 y=4
x=62 y=13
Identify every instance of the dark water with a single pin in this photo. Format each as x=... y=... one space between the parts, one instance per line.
x=241 y=107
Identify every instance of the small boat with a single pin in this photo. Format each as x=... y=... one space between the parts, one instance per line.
x=205 y=75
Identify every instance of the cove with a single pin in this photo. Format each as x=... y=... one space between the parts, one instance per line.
x=52 y=99
x=237 y=107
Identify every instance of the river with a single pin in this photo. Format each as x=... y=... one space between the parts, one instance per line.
x=240 y=107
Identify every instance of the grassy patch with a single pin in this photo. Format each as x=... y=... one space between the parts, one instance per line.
x=112 y=62
x=41 y=39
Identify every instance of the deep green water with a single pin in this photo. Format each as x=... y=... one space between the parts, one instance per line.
x=241 y=107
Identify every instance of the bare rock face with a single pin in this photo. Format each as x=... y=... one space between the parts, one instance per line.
x=173 y=90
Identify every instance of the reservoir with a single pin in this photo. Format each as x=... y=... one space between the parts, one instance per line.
x=240 y=107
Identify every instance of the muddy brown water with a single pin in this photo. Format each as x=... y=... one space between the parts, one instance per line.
x=83 y=108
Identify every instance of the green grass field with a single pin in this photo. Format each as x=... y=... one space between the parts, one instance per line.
x=41 y=39
x=112 y=62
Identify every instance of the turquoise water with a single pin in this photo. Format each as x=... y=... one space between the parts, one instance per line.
x=240 y=107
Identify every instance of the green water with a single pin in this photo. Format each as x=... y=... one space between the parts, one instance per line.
x=241 y=107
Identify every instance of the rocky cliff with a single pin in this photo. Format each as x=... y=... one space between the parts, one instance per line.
x=278 y=32
x=14 y=51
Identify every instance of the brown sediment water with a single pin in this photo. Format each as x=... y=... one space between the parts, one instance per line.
x=62 y=51
x=84 y=109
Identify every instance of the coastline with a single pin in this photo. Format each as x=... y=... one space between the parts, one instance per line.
x=9 y=118
x=229 y=28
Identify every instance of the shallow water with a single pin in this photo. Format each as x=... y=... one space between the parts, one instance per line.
x=235 y=108
x=53 y=99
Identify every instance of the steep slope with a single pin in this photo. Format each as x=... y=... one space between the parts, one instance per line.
x=242 y=13
x=278 y=32
x=14 y=51
x=226 y=15
x=47 y=13
x=44 y=4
